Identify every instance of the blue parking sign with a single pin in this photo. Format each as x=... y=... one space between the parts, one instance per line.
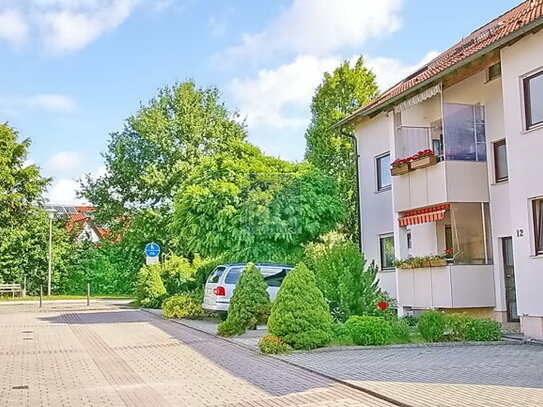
x=152 y=250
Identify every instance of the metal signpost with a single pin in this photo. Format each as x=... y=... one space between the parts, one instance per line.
x=152 y=251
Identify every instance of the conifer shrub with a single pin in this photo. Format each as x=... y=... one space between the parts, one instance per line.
x=249 y=305
x=432 y=326
x=369 y=330
x=150 y=290
x=300 y=316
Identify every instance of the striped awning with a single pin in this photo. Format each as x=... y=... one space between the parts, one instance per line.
x=425 y=215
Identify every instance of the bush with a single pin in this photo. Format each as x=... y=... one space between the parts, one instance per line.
x=341 y=335
x=462 y=327
x=150 y=290
x=300 y=316
x=270 y=344
x=348 y=285
x=184 y=306
x=411 y=320
x=401 y=332
x=369 y=330
x=432 y=326
x=457 y=326
x=250 y=304
x=230 y=327
x=484 y=329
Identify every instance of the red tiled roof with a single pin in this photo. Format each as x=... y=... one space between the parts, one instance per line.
x=514 y=21
x=85 y=208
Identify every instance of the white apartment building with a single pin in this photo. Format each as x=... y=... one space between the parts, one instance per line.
x=479 y=108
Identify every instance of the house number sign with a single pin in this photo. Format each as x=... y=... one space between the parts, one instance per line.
x=520 y=232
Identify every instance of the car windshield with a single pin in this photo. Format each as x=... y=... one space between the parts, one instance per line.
x=215 y=276
x=273 y=276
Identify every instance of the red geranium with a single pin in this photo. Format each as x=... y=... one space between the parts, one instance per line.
x=383 y=305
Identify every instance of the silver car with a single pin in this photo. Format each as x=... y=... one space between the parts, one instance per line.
x=222 y=281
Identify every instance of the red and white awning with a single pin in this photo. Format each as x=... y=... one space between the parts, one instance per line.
x=425 y=215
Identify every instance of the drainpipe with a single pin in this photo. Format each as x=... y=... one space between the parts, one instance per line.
x=358 y=209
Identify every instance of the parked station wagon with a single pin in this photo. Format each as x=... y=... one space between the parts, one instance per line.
x=222 y=281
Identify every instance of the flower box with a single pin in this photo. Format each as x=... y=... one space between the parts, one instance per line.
x=438 y=263
x=423 y=162
x=400 y=170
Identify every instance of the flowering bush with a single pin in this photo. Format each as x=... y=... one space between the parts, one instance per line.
x=448 y=254
x=273 y=345
x=400 y=162
x=423 y=153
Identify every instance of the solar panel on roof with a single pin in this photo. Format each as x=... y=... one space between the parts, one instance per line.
x=71 y=210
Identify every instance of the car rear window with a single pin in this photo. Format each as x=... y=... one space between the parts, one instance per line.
x=233 y=275
x=273 y=276
x=215 y=276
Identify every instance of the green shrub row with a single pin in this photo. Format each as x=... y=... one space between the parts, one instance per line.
x=436 y=326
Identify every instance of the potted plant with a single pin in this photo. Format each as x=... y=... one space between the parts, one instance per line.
x=400 y=166
x=448 y=256
x=423 y=159
x=436 y=261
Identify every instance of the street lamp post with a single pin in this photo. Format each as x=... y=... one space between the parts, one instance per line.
x=51 y=214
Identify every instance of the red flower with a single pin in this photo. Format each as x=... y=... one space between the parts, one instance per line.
x=383 y=305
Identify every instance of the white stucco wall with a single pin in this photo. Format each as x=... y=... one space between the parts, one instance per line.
x=374 y=137
x=525 y=177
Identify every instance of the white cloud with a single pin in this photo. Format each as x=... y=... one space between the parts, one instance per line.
x=389 y=71
x=13 y=105
x=66 y=25
x=65 y=160
x=277 y=101
x=63 y=191
x=321 y=27
x=71 y=28
x=13 y=27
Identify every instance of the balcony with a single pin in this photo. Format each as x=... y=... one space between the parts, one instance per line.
x=451 y=286
x=459 y=171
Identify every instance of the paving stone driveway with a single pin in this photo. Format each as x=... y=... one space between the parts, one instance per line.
x=114 y=357
x=132 y=358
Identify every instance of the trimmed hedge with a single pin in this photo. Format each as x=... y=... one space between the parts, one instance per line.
x=432 y=326
x=369 y=330
x=300 y=316
x=462 y=327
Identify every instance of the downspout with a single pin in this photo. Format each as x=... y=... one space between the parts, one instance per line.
x=358 y=209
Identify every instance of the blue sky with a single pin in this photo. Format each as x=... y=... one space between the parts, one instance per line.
x=73 y=70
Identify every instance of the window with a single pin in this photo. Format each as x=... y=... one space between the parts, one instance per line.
x=494 y=71
x=500 y=161
x=275 y=280
x=384 y=179
x=233 y=275
x=471 y=233
x=386 y=245
x=216 y=275
x=533 y=99
x=464 y=132
x=538 y=225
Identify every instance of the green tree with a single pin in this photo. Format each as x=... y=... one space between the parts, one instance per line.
x=340 y=93
x=150 y=290
x=249 y=206
x=300 y=315
x=349 y=285
x=249 y=305
x=150 y=158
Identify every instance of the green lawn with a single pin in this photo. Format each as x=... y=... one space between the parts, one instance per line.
x=67 y=297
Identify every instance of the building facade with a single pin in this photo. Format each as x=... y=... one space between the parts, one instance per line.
x=469 y=128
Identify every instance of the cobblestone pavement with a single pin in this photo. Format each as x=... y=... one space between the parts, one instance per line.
x=456 y=376
x=114 y=357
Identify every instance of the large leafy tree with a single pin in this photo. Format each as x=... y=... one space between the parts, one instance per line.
x=150 y=158
x=252 y=207
x=24 y=227
x=331 y=150
x=158 y=149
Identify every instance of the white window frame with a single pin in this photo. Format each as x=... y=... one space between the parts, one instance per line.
x=525 y=128
x=384 y=236
x=376 y=166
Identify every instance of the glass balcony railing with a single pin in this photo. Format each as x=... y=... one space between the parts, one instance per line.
x=460 y=135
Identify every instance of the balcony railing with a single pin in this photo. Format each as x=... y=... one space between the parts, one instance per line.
x=460 y=137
